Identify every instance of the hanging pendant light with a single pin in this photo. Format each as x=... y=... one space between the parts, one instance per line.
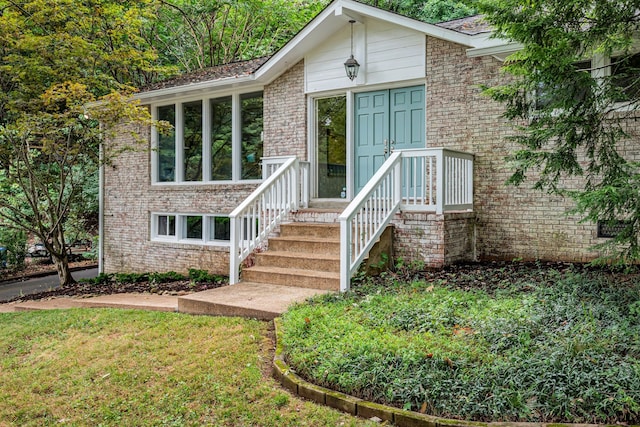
x=351 y=66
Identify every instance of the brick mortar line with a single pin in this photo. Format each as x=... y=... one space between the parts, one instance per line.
x=365 y=409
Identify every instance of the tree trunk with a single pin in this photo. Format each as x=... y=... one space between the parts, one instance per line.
x=64 y=272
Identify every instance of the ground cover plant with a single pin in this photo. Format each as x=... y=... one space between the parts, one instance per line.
x=501 y=342
x=119 y=367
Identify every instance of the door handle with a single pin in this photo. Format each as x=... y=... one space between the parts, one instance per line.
x=387 y=147
x=392 y=143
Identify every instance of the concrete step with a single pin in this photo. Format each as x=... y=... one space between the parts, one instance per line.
x=299 y=260
x=310 y=229
x=292 y=277
x=305 y=244
x=258 y=300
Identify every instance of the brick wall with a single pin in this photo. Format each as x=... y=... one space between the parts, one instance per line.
x=129 y=200
x=512 y=222
x=129 y=197
x=285 y=115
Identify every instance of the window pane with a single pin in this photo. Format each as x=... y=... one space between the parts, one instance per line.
x=162 y=226
x=220 y=228
x=192 y=117
x=166 y=225
x=625 y=73
x=193 y=227
x=251 y=112
x=167 y=145
x=332 y=147
x=221 y=163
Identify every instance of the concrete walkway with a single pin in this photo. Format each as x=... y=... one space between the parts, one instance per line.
x=254 y=300
x=126 y=301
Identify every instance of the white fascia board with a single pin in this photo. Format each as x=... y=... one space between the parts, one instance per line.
x=193 y=88
x=500 y=50
x=292 y=52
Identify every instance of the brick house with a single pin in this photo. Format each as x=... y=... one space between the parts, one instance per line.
x=410 y=143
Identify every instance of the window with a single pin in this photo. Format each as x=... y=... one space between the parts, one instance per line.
x=251 y=135
x=219 y=228
x=221 y=139
x=625 y=76
x=191 y=228
x=331 y=119
x=217 y=139
x=166 y=226
x=545 y=94
x=167 y=145
x=192 y=147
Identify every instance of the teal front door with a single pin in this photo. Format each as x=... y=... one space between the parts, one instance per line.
x=386 y=120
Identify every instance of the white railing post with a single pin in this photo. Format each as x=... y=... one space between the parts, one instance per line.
x=234 y=267
x=345 y=254
x=440 y=181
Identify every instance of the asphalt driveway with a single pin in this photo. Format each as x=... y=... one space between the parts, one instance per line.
x=9 y=290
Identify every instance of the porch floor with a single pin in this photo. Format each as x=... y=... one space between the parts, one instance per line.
x=246 y=299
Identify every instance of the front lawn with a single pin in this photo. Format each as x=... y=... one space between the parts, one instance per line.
x=128 y=368
x=501 y=342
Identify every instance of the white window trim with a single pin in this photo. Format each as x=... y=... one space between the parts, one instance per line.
x=236 y=140
x=180 y=229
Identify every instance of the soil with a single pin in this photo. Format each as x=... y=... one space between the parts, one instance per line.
x=86 y=290
x=488 y=276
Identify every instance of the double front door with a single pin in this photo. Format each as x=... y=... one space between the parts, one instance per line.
x=386 y=120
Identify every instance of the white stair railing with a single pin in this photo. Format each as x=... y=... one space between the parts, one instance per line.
x=260 y=213
x=366 y=217
x=426 y=179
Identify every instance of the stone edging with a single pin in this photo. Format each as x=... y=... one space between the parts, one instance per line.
x=362 y=408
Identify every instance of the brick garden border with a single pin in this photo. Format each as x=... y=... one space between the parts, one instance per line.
x=362 y=408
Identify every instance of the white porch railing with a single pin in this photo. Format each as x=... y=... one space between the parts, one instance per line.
x=421 y=179
x=257 y=216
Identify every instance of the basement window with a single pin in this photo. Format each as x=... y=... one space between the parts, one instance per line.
x=611 y=229
x=193 y=229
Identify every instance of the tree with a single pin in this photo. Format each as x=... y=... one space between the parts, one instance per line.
x=67 y=70
x=572 y=123
x=196 y=34
x=431 y=11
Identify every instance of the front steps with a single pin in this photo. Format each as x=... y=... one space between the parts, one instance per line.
x=305 y=255
x=303 y=261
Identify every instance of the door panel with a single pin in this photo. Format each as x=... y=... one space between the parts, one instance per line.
x=396 y=115
x=408 y=131
x=371 y=133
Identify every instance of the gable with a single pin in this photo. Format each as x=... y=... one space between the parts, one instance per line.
x=386 y=52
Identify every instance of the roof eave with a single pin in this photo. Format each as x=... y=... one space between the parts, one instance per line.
x=500 y=50
x=192 y=88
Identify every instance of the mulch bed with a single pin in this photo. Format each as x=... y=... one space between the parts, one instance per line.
x=487 y=276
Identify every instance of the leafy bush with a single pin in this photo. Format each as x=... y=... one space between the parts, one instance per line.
x=203 y=276
x=170 y=276
x=16 y=243
x=547 y=346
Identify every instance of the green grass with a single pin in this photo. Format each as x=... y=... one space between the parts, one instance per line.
x=114 y=367
x=558 y=346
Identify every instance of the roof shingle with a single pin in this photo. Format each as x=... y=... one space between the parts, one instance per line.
x=232 y=69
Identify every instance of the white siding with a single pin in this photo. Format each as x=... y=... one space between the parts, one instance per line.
x=386 y=54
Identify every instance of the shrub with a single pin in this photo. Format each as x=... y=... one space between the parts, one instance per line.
x=525 y=349
x=203 y=276
x=170 y=276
